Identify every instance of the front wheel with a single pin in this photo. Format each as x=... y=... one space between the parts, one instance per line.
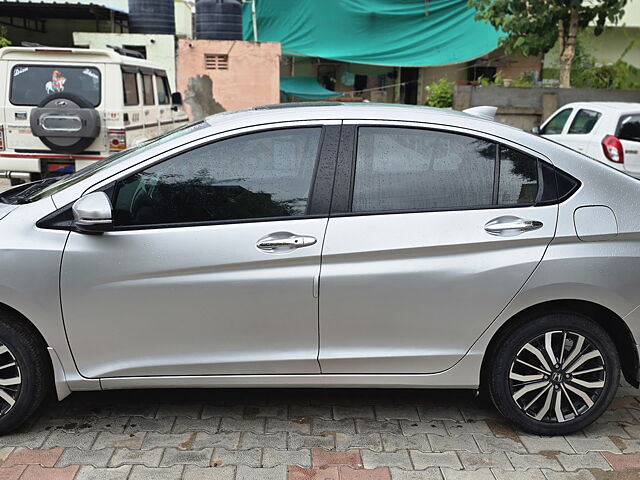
x=555 y=374
x=25 y=372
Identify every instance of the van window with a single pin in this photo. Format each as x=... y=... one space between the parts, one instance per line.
x=164 y=93
x=147 y=89
x=31 y=84
x=130 y=87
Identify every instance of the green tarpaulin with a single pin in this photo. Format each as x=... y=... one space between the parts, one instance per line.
x=379 y=32
x=305 y=87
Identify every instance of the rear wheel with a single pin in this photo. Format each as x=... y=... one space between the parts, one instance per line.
x=25 y=373
x=555 y=374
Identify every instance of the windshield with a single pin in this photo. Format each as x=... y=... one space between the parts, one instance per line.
x=46 y=188
x=31 y=84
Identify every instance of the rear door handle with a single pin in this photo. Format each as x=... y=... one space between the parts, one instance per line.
x=509 y=226
x=284 y=241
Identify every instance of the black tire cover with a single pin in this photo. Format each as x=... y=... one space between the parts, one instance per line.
x=73 y=105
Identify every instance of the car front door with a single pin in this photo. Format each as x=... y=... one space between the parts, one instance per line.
x=429 y=239
x=556 y=127
x=213 y=263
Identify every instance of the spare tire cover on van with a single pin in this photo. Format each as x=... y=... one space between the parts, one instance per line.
x=64 y=122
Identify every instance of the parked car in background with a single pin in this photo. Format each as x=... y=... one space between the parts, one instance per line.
x=333 y=246
x=606 y=131
x=61 y=109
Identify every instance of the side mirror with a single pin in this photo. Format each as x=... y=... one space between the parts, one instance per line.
x=535 y=130
x=176 y=98
x=92 y=213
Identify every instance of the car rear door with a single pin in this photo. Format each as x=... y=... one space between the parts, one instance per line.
x=432 y=232
x=213 y=264
x=579 y=134
x=629 y=135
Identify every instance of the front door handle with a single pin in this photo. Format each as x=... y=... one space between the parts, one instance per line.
x=509 y=226
x=284 y=242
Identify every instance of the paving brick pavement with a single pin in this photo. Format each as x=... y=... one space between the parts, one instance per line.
x=306 y=434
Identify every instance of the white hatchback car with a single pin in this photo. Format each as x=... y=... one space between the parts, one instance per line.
x=606 y=131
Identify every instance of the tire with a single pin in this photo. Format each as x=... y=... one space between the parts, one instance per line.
x=21 y=345
x=525 y=384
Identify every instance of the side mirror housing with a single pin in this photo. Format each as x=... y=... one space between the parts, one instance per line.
x=176 y=98
x=92 y=213
x=535 y=130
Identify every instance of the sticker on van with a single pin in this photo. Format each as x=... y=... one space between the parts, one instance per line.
x=56 y=84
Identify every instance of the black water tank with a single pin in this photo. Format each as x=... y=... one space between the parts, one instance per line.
x=218 y=20
x=152 y=16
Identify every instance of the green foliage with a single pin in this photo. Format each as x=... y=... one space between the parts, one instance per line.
x=487 y=82
x=619 y=75
x=525 y=79
x=4 y=42
x=440 y=94
x=532 y=27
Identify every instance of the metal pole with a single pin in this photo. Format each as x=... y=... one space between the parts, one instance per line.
x=254 y=20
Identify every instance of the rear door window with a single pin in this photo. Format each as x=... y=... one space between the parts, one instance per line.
x=556 y=124
x=130 y=86
x=629 y=128
x=31 y=84
x=584 y=121
x=147 y=89
x=404 y=169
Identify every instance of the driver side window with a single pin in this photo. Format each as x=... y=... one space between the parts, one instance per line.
x=258 y=175
x=556 y=124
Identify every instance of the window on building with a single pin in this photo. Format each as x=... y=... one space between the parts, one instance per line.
x=214 y=61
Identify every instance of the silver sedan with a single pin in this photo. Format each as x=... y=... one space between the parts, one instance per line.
x=328 y=245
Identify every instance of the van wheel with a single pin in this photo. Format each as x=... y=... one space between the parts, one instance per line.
x=555 y=374
x=25 y=373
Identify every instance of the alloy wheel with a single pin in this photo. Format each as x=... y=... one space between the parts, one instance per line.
x=557 y=376
x=10 y=380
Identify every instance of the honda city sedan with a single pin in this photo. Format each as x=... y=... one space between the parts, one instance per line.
x=331 y=245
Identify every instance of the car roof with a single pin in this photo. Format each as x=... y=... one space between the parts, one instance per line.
x=43 y=54
x=348 y=111
x=617 y=106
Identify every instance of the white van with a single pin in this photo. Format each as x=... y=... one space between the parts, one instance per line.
x=62 y=109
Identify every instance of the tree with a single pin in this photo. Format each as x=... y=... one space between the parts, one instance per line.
x=4 y=42
x=534 y=26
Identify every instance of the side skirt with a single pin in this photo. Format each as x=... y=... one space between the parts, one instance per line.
x=465 y=374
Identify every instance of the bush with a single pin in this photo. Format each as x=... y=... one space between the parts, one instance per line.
x=440 y=94
x=525 y=79
x=619 y=75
